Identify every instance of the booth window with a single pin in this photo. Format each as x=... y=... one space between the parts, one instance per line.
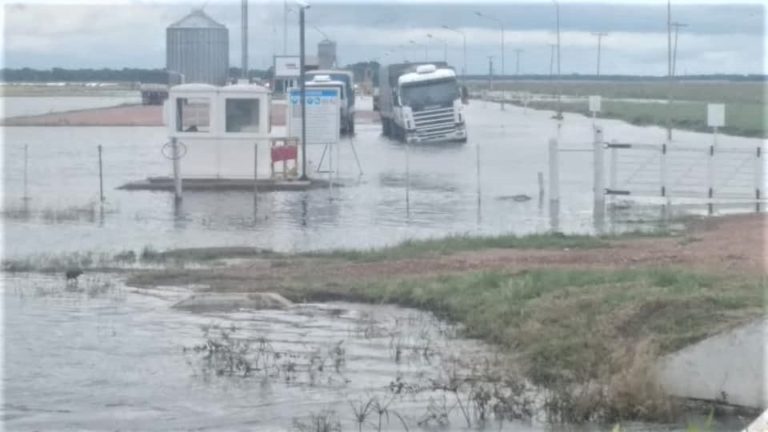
x=193 y=115
x=242 y=115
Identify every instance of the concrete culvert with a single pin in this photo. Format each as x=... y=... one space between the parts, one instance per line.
x=223 y=302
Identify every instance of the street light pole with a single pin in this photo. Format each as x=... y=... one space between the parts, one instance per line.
x=559 y=84
x=490 y=72
x=677 y=27
x=426 y=49
x=285 y=27
x=600 y=36
x=501 y=24
x=464 y=39
x=445 y=46
x=302 y=80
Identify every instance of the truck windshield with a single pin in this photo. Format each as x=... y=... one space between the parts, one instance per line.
x=419 y=95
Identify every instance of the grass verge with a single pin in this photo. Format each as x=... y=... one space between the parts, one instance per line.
x=742 y=119
x=406 y=250
x=590 y=336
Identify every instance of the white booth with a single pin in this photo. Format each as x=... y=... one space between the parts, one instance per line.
x=216 y=128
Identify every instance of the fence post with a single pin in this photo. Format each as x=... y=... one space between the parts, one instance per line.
x=663 y=171
x=554 y=185
x=255 y=170
x=176 y=169
x=711 y=167
x=477 y=168
x=540 y=177
x=598 y=212
x=759 y=169
x=554 y=171
x=407 y=179
x=26 y=170
x=330 y=170
x=614 y=175
x=101 y=178
x=599 y=166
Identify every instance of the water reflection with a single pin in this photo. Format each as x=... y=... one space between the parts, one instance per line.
x=435 y=191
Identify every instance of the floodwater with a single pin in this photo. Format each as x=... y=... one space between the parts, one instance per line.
x=104 y=356
x=446 y=194
x=110 y=357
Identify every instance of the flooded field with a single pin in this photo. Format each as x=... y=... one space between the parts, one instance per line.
x=111 y=357
x=446 y=194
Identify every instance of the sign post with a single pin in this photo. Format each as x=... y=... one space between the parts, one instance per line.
x=322 y=117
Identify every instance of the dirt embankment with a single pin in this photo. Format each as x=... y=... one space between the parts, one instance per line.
x=733 y=244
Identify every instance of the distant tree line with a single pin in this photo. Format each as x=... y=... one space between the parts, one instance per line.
x=155 y=76
x=160 y=76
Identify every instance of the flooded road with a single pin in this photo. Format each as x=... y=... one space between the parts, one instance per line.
x=446 y=194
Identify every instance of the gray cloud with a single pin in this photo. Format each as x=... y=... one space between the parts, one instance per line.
x=720 y=38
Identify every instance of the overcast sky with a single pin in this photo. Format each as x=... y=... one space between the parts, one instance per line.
x=720 y=37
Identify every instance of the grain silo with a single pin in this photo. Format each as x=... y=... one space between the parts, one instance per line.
x=326 y=54
x=197 y=50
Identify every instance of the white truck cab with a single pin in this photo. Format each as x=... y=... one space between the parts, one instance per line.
x=425 y=104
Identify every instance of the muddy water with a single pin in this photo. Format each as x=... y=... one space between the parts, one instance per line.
x=103 y=356
x=370 y=211
x=109 y=357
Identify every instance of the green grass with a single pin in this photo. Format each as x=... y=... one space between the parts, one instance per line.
x=741 y=119
x=570 y=324
x=745 y=102
x=459 y=243
x=712 y=92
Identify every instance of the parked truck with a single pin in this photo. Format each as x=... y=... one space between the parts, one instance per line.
x=348 y=96
x=421 y=103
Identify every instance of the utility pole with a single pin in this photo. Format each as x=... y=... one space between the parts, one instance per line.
x=490 y=72
x=244 y=42
x=600 y=36
x=551 y=59
x=677 y=26
x=517 y=60
x=669 y=71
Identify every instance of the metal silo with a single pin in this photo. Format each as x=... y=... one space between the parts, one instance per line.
x=197 y=50
x=326 y=54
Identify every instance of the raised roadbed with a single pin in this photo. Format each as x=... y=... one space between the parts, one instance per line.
x=204 y=184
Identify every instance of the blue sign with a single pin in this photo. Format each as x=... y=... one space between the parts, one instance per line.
x=313 y=96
